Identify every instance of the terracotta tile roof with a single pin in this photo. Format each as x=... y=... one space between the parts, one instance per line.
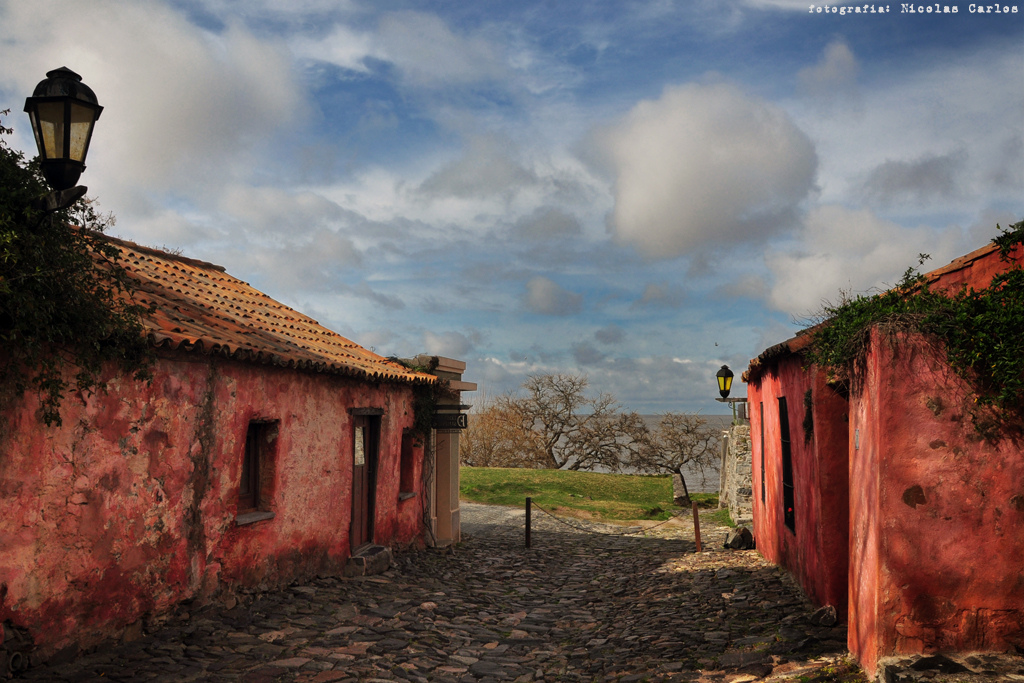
x=201 y=308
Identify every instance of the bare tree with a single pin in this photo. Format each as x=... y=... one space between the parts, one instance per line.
x=681 y=443
x=575 y=432
x=555 y=425
x=495 y=437
x=610 y=440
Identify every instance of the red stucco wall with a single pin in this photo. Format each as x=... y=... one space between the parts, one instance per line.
x=129 y=508
x=816 y=553
x=865 y=523
x=935 y=514
x=938 y=548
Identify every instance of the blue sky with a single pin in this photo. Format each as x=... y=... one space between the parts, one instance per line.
x=639 y=191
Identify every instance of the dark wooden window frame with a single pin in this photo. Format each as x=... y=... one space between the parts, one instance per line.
x=762 y=453
x=370 y=420
x=256 y=472
x=788 y=497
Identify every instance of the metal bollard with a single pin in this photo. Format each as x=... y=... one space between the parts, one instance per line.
x=696 y=526
x=529 y=505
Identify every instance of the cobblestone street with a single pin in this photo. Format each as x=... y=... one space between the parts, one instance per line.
x=577 y=606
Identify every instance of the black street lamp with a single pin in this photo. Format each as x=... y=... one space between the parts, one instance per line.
x=724 y=381
x=724 y=377
x=63 y=111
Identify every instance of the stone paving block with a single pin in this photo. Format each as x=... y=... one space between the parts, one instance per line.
x=579 y=605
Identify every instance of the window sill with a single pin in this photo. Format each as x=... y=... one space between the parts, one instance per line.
x=406 y=495
x=252 y=517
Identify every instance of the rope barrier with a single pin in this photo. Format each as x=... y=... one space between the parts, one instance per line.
x=580 y=527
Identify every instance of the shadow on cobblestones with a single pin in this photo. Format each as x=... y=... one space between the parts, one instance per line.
x=576 y=606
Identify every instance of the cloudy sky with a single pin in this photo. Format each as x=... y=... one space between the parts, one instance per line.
x=639 y=190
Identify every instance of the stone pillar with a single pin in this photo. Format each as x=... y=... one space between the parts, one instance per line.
x=723 y=471
x=739 y=473
x=443 y=490
x=447 y=487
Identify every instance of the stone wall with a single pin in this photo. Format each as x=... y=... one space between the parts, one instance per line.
x=736 y=491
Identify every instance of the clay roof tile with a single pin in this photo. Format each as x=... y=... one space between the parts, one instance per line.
x=200 y=308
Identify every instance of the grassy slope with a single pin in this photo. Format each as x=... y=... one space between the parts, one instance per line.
x=586 y=494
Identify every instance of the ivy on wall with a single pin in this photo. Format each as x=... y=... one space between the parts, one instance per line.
x=425 y=396
x=66 y=304
x=980 y=331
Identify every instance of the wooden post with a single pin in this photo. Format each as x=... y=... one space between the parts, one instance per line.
x=696 y=525
x=529 y=504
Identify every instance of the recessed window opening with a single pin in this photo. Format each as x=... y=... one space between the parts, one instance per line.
x=788 y=498
x=256 y=477
x=762 y=451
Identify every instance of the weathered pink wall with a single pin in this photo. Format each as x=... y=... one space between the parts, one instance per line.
x=830 y=449
x=935 y=546
x=817 y=552
x=129 y=508
x=865 y=523
x=938 y=553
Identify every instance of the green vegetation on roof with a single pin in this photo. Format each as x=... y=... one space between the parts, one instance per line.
x=979 y=330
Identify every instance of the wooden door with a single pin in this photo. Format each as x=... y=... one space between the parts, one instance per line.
x=364 y=464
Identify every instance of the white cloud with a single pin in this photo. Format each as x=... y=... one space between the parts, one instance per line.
x=1007 y=166
x=184 y=109
x=706 y=164
x=843 y=250
x=920 y=181
x=343 y=46
x=547 y=223
x=429 y=54
x=486 y=169
x=915 y=121
x=748 y=285
x=450 y=344
x=279 y=9
x=793 y=5
x=610 y=334
x=374 y=339
x=271 y=210
x=585 y=354
x=655 y=384
x=834 y=76
x=546 y=297
x=310 y=261
x=773 y=334
x=661 y=294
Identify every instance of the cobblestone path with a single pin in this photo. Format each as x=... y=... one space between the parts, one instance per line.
x=577 y=606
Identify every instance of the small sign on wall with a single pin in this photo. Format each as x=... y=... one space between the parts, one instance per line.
x=450 y=421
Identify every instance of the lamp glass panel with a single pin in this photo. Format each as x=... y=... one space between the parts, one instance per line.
x=724 y=382
x=81 y=124
x=51 y=129
x=34 y=118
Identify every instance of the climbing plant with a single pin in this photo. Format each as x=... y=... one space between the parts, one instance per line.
x=66 y=304
x=425 y=396
x=980 y=330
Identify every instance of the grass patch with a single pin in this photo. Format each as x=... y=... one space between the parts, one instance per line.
x=719 y=517
x=590 y=495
